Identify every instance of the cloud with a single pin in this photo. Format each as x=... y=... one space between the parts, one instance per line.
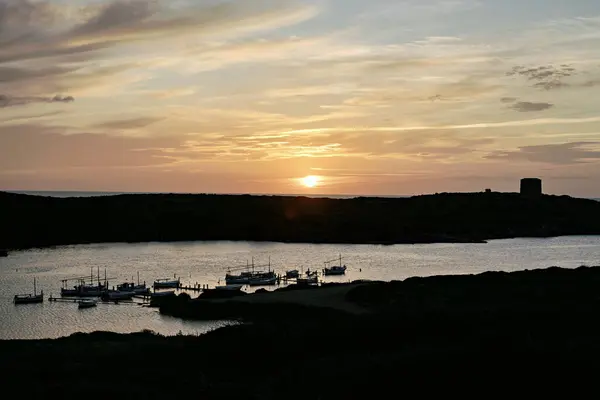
x=66 y=39
x=527 y=106
x=508 y=99
x=130 y=123
x=13 y=101
x=564 y=153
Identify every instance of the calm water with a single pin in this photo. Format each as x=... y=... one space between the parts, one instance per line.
x=206 y=263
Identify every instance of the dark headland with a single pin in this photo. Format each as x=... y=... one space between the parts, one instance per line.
x=493 y=335
x=37 y=221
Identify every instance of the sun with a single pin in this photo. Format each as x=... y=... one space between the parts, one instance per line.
x=310 y=181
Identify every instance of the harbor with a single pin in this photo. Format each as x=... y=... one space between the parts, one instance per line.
x=202 y=267
x=89 y=291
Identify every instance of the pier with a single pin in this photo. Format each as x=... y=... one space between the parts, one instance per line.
x=79 y=299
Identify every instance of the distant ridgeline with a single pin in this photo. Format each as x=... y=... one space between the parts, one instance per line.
x=32 y=221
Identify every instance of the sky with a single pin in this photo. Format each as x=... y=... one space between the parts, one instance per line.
x=383 y=97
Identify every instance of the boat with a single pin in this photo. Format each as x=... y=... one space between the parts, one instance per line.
x=133 y=288
x=242 y=278
x=292 y=274
x=86 y=287
x=3 y=253
x=232 y=287
x=252 y=278
x=84 y=290
x=167 y=283
x=335 y=269
x=30 y=298
x=87 y=303
x=263 y=279
x=138 y=289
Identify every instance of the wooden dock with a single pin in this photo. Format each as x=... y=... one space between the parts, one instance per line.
x=193 y=288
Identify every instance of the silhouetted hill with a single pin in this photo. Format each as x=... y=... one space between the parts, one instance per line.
x=29 y=221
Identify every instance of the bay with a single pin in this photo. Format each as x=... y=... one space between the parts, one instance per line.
x=206 y=263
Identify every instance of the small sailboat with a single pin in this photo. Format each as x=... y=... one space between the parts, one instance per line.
x=30 y=298
x=335 y=269
x=87 y=303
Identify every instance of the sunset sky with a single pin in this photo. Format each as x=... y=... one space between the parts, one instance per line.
x=251 y=96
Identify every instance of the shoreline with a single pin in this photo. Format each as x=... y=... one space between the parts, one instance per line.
x=413 y=333
x=483 y=241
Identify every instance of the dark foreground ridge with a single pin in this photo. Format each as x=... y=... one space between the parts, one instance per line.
x=530 y=332
x=36 y=221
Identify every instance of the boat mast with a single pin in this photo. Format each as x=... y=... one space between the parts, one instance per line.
x=34 y=287
x=138 y=277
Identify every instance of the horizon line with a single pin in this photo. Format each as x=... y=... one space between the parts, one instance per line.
x=91 y=193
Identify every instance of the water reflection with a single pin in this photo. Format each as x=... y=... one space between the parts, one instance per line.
x=206 y=263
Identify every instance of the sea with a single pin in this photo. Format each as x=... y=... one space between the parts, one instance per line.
x=205 y=263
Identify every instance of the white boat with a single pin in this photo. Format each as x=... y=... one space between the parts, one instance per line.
x=232 y=287
x=87 y=303
x=167 y=283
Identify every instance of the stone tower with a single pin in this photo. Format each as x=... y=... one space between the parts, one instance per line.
x=531 y=187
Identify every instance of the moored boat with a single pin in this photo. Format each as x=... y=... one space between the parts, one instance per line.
x=137 y=289
x=167 y=283
x=263 y=279
x=292 y=273
x=133 y=288
x=335 y=269
x=30 y=298
x=87 y=303
x=84 y=290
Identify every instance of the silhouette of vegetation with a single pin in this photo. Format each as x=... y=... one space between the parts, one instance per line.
x=500 y=333
x=36 y=221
